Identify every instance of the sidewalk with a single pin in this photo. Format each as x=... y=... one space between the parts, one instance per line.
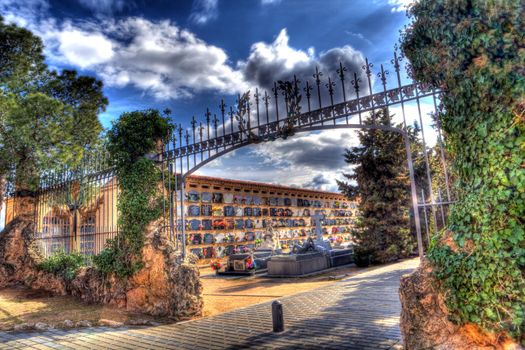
x=360 y=312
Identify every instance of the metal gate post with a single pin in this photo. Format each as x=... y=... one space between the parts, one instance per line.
x=183 y=223
x=414 y=193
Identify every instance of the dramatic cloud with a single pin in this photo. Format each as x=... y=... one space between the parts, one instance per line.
x=156 y=57
x=24 y=13
x=278 y=61
x=312 y=160
x=167 y=61
x=103 y=6
x=317 y=182
x=204 y=11
x=322 y=151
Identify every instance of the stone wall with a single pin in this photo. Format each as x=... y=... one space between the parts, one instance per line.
x=425 y=323
x=166 y=286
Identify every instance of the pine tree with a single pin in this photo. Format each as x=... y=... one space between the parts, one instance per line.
x=47 y=119
x=383 y=191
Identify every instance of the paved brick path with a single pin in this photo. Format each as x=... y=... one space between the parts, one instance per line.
x=360 y=312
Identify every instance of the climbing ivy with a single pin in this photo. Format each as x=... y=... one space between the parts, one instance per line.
x=475 y=52
x=132 y=143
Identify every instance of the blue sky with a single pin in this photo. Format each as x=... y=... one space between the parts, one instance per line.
x=187 y=55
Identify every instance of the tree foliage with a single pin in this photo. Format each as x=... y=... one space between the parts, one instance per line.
x=132 y=138
x=383 y=190
x=475 y=52
x=47 y=119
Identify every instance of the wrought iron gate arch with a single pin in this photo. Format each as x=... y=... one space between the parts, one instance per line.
x=209 y=142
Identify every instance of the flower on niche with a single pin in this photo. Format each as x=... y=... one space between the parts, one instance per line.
x=216 y=265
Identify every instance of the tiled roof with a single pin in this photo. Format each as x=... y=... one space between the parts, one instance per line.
x=262 y=184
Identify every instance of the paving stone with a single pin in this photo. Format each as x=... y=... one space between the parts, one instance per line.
x=359 y=312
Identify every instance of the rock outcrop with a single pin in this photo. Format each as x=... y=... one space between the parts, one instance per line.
x=19 y=257
x=166 y=286
x=425 y=323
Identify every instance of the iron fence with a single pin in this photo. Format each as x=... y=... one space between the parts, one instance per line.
x=75 y=209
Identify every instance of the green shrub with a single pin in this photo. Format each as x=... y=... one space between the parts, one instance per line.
x=63 y=264
x=362 y=257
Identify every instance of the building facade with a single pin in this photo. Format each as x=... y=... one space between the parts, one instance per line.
x=229 y=216
x=222 y=216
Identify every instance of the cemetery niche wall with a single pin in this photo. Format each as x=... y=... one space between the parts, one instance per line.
x=225 y=217
x=222 y=217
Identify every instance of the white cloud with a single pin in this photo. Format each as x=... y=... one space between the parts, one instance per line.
x=399 y=5
x=23 y=13
x=270 y=2
x=103 y=6
x=204 y=11
x=359 y=36
x=157 y=57
x=84 y=49
x=314 y=151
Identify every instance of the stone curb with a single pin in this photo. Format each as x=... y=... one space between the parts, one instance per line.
x=68 y=324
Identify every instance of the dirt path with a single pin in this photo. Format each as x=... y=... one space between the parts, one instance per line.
x=21 y=305
x=221 y=294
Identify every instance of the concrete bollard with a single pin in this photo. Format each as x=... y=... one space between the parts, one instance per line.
x=277 y=316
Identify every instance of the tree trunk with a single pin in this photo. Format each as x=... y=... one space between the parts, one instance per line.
x=3 y=184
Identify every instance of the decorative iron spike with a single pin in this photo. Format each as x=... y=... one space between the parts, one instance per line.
x=201 y=128
x=248 y=104
x=222 y=107
x=367 y=67
x=276 y=95
x=330 y=85
x=296 y=83
x=341 y=71
x=308 y=90
x=187 y=137
x=266 y=100
x=317 y=77
x=193 y=126
x=368 y=72
x=395 y=61
x=208 y=115
x=355 y=82
x=382 y=75
x=215 y=122
x=257 y=106
x=231 y=118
